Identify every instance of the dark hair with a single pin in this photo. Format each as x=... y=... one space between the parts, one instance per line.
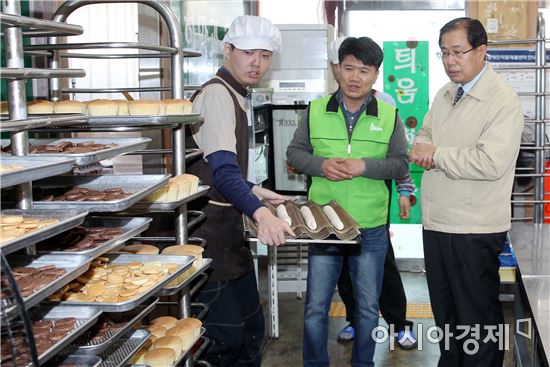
x=474 y=29
x=363 y=49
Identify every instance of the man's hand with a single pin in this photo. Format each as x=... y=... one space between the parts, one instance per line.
x=404 y=207
x=422 y=155
x=355 y=167
x=271 y=229
x=269 y=195
x=291 y=169
x=334 y=169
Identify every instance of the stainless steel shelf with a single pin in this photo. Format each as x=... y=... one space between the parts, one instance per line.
x=39 y=27
x=164 y=55
x=40 y=122
x=114 y=90
x=101 y=45
x=33 y=73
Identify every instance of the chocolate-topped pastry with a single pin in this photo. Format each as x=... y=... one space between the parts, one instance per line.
x=42 y=324
x=56 y=336
x=71 y=321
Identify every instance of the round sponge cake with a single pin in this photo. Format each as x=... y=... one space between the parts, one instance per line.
x=161 y=357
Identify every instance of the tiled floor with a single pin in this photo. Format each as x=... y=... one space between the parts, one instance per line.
x=286 y=351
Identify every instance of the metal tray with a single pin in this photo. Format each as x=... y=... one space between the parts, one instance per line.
x=123 y=349
x=74 y=360
x=173 y=290
x=40 y=121
x=170 y=205
x=186 y=119
x=32 y=168
x=134 y=317
x=184 y=261
x=130 y=226
x=326 y=241
x=74 y=266
x=85 y=318
x=139 y=185
x=124 y=145
x=67 y=220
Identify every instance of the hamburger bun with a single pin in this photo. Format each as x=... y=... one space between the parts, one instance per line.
x=69 y=107
x=143 y=107
x=161 y=357
x=175 y=107
x=140 y=249
x=102 y=107
x=40 y=106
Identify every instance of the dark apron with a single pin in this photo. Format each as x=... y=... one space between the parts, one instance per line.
x=223 y=228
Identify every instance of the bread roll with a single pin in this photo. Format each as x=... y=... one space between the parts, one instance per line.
x=40 y=106
x=161 y=357
x=333 y=217
x=102 y=107
x=195 y=324
x=4 y=107
x=69 y=107
x=308 y=217
x=283 y=214
x=188 y=183
x=167 y=193
x=157 y=331
x=175 y=107
x=189 y=250
x=143 y=107
x=185 y=333
x=122 y=107
x=170 y=341
x=140 y=249
x=166 y=322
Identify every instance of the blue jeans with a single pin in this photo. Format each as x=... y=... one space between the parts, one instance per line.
x=366 y=267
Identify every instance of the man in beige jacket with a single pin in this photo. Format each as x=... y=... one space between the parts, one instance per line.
x=469 y=144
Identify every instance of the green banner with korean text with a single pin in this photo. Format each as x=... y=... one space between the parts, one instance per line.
x=406 y=79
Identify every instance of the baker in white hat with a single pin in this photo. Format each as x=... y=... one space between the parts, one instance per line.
x=235 y=321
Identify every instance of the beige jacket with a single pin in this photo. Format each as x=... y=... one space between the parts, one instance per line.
x=477 y=143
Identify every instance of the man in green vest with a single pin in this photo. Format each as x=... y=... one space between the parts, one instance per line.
x=352 y=146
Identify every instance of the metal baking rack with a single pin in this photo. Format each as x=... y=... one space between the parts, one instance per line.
x=139 y=186
x=85 y=318
x=32 y=168
x=184 y=263
x=123 y=145
x=131 y=227
x=89 y=346
x=67 y=220
x=176 y=53
x=123 y=349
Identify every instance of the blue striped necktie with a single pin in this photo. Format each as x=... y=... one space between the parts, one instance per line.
x=459 y=94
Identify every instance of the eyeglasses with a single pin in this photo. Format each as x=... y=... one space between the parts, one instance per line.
x=458 y=54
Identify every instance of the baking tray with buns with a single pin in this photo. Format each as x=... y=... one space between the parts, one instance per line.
x=120 y=351
x=27 y=169
x=323 y=229
x=183 y=262
x=85 y=317
x=130 y=227
x=74 y=265
x=147 y=206
x=168 y=291
x=67 y=219
x=138 y=186
x=117 y=147
x=88 y=343
x=187 y=353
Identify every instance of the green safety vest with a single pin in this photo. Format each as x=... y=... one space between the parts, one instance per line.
x=365 y=199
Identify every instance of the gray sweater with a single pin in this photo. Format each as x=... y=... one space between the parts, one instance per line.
x=300 y=153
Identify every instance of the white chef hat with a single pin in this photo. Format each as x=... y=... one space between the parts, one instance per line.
x=249 y=32
x=333 y=49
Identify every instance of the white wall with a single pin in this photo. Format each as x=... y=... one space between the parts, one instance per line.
x=293 y=11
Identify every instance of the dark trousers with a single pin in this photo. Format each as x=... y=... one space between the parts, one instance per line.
x=393 y=302
x=234 y=323
x=463 y=280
